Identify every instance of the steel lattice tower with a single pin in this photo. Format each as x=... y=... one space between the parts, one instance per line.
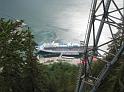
x=106 y=18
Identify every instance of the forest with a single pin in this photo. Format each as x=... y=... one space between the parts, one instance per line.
x=20 y=70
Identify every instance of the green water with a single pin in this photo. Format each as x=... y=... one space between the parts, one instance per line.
x=50 y=19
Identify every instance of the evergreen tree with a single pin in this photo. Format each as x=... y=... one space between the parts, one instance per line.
x=114 y=82
x=19 y=69
x=62 y=77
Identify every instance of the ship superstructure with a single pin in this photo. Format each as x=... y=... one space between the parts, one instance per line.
x=54 y=49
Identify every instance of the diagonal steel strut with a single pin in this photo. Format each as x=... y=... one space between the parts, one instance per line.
x=86 y=79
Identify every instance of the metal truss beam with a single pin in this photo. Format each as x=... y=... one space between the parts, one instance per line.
x=103 y=12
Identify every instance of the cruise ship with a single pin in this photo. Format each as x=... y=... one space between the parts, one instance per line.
x=54 y=49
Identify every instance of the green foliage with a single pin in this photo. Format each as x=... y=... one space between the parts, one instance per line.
x=19 y=69
x=97 y=67
x=114 y=82
x=62 y=77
